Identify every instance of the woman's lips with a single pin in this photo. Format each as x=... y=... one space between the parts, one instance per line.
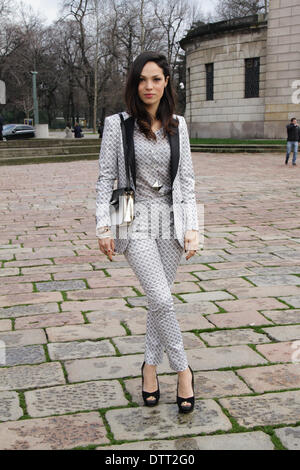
x=149 y=95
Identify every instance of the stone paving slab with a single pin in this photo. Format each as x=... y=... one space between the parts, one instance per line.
x=9 y=272
x=264 y=410
x=236 y=319
x=256 y=292
x=272 y=378
x=28 y=310
x=23 y=338
x=266 y=303
x=116 y=314
x=60 y=285
x=100 y=293
x=42 y=321
x=193 y=322
x=221 y=273
x=199 y=308
x=88 y=331
x=230 y=284
x=72 y=398
x=33 y=298
x=55 y=433
x=283 y=333
x=294 y=302
x=165 y=421
x=55 y=268
x=283 y=316
x=16 y=288
x=87 y=275
x=80 y=349
x=213 y=295
x=23 y=377
x=104 y=368
x=220 y=357
x=280 y=352
x=256 y=440
x=95 y=283
x=236 y=336
x=5 y=325
x=290 y=437
x=207 y=385
x=184 y=287
x=275 y=270
x=23 y=355
x=10 y=409
x=275 y=280
x=104 y=305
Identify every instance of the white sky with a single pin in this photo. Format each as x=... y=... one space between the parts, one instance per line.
x=50 y=8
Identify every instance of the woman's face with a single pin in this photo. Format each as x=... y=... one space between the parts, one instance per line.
x=152 y=84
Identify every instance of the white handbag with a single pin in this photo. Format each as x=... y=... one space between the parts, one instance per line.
x=122 y=203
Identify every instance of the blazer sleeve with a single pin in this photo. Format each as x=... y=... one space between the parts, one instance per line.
x=187 y=180
x=108 y=171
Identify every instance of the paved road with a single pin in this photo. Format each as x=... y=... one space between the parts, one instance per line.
x=72 y=324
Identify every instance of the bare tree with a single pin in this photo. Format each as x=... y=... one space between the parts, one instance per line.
x=83 y=59
x=227 y=9
x=5 y=8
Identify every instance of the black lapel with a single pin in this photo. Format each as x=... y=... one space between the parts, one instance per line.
x=129 y=127
x=174 y=144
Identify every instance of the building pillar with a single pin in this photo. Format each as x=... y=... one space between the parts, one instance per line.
x=282 y=93
x=2 y=93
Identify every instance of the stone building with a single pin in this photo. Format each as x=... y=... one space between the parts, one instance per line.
x=243 y=75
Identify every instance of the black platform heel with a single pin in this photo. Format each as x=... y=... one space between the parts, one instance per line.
x=146 y=395
x=191 y=400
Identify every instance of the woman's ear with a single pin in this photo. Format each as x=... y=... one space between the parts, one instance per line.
x=167 y=81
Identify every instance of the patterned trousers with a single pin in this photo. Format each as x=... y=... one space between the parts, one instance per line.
x=155 y=262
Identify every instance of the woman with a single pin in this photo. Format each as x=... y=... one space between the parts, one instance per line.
x=68 y=131
x=163 y=179
x=77 y=131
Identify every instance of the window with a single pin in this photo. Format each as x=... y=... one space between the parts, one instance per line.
x=252 y=77
x=209 y=82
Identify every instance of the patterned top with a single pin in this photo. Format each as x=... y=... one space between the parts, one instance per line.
x=153 y=165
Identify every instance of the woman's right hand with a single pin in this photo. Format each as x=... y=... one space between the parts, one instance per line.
x=107 y=247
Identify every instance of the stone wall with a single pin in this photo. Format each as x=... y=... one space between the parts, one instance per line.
x=230 y=114
x=283 y=66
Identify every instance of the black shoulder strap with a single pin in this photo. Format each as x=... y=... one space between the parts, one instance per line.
x=175 y=152
x=125 y=147
x=128 y=144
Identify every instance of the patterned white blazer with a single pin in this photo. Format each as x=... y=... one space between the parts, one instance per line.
x=112 y=174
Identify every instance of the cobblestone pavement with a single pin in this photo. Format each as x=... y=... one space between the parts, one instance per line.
x=72 y=323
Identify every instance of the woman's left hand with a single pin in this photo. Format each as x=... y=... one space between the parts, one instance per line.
x=191 y=243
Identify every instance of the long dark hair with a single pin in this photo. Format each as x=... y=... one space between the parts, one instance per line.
x=136 y=107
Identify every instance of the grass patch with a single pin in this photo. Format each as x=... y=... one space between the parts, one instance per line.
x=238 y=141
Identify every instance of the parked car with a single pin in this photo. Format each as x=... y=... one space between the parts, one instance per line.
x=18 y=131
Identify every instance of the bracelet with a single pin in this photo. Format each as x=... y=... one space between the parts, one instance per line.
x=105 y=235
x=102 y=230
